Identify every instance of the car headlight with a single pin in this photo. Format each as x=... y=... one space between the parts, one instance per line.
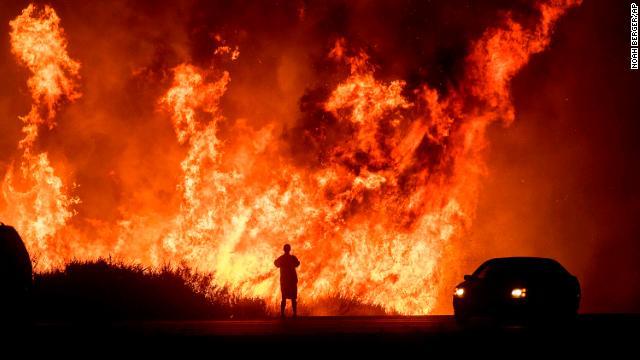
x=519 y=293
x=459 y=292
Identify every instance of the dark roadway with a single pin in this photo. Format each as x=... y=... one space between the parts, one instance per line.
x=614 y=334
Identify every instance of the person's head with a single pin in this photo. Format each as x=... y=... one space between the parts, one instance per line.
x=287 y=248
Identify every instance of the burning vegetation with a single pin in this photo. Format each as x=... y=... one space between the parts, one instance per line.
x=374 y=182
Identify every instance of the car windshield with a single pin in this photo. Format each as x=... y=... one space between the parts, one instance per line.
x=520 y=267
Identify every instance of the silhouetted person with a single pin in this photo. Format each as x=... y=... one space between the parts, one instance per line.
x=15 y=275
x=288 y=279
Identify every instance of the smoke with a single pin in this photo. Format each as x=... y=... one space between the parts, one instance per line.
x=289 y=106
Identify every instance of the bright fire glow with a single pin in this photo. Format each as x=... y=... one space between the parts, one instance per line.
x=373 y=219
x=38 y=205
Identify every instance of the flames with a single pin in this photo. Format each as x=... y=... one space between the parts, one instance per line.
x=385 y=180
x=40 y=206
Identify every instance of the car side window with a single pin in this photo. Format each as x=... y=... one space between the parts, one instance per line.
x=482 y=271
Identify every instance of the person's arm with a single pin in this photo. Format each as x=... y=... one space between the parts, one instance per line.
x=277 y=262
x=297 y=262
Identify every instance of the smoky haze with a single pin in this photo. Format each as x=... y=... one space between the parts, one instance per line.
x=564 y=176
x=561 y=179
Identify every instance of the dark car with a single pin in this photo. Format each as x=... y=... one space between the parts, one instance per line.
x=15 y=275
x=517 y=288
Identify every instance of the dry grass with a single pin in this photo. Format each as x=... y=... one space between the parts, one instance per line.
x=108 y=290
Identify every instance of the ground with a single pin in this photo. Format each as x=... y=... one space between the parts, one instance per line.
x=340 y=335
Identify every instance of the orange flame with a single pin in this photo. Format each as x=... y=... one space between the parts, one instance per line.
x=38 y=41
x=40 y=211
x=374 y=219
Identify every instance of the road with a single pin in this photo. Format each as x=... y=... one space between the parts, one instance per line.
x=426 y=334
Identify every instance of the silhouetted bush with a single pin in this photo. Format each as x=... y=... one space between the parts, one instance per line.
x=341 y=306
x=106 y=290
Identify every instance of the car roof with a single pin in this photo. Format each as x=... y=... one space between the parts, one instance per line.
x=522 y=261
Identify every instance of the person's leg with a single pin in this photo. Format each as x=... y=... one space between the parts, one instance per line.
x=294 y=305
x=283 y=304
